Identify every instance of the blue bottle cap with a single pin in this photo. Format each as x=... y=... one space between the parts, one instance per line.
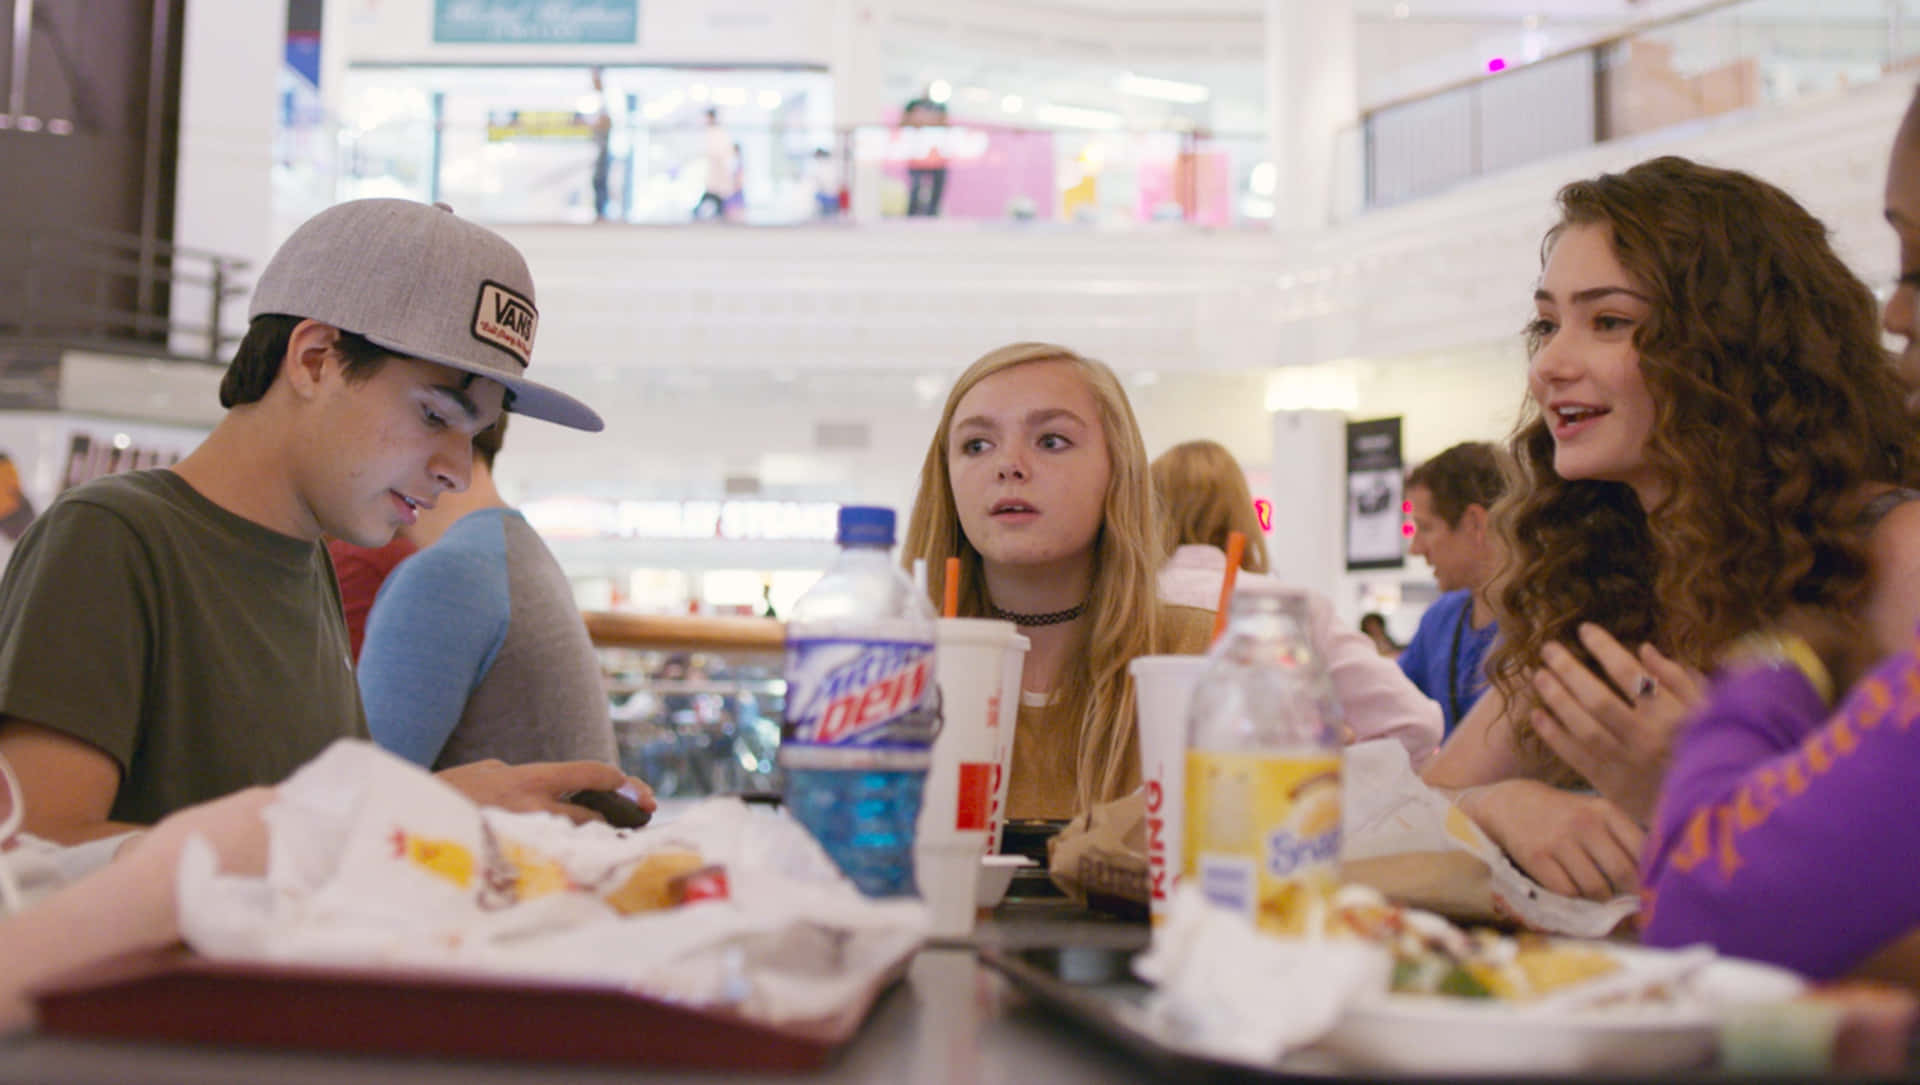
x=866 y=525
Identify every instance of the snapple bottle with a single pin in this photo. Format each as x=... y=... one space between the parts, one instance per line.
x=1263 y=767
x=862 y=707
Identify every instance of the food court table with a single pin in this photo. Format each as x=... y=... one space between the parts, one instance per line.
x=952 y=1020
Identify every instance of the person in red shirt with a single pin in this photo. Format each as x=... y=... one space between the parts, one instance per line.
x=361 y=571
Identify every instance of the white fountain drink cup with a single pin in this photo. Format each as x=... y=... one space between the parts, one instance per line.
x=952 y=834
x=1163 y=691
x=1012 y=666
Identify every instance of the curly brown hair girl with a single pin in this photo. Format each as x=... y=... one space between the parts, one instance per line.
x=1775 y=409
x=1774 y=423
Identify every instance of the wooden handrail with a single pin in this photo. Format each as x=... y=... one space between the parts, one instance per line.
x=685 y=633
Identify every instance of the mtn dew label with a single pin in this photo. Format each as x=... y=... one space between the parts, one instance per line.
x=1263 y=833
x=859 y=702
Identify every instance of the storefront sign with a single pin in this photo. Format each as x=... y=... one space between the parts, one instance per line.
x=538 y=124
x=1373 y=495
x=536 y=22
x=579 y=518
x=919 y=144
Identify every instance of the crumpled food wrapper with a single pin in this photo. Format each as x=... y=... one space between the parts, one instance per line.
x=1224 y=989
x=38 y=868
x=1100 y=857
x=375 y=863
x=1407 y=840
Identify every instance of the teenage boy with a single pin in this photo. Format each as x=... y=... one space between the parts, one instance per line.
x=475 y=648
x=170 y=636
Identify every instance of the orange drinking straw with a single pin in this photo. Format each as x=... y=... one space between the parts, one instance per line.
x=1236 y=549
x=950 y=590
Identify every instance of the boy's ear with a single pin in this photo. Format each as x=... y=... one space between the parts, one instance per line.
x=309 y=352
x=1473 y=521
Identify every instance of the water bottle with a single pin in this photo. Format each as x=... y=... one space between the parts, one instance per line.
x=863 y=707
x=1263 y=767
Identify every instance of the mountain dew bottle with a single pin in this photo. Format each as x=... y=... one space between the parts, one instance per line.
x=1263 y=767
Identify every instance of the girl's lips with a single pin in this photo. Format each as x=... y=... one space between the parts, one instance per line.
x=1564 y=429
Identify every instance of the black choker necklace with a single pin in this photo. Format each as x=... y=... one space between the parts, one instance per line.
x=1054 y=618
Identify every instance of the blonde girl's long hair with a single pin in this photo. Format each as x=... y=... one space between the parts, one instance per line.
x=1204 y=497
x=1123 y=618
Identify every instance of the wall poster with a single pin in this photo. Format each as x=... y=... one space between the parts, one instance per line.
x=1374 y=483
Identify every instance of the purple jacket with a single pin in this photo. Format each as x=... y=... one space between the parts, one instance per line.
x=1787 y=838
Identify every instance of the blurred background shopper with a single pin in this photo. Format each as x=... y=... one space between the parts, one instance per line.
x=1450 y=496
x=1203 y=497
x=475 y=648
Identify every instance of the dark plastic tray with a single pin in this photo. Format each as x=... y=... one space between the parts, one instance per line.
x=175 y=997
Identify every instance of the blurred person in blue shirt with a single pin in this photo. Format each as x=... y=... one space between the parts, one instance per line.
x=1450 y=495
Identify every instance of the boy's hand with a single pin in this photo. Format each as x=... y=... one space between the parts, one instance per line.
x=543 y=786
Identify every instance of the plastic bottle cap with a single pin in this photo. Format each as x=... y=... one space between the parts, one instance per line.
x=866 y=525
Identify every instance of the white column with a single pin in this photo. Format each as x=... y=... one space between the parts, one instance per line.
x=1312 y=95
x=223 y=192
x=1309 y=491
x=856 y=63
x=858 y=78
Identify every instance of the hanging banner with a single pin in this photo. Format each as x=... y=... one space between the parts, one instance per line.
x=1374 y=483
x=536 y=22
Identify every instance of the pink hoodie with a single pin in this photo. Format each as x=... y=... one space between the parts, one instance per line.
x=1379 y=700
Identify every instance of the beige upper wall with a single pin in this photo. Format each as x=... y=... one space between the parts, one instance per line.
x=1470 y=394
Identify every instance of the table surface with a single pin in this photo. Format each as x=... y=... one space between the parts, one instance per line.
x=952 y=1020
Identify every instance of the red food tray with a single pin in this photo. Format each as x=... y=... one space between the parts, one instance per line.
x=177 y=997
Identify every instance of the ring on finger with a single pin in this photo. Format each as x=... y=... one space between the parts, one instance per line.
x=1646 y=689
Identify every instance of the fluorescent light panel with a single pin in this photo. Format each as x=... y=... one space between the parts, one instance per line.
x=1069 y=116
x=1166 y=90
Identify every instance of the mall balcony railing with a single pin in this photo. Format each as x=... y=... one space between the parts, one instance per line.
x=696 y=701
x=540 y=167
x=113 y=291
x=1711 y=62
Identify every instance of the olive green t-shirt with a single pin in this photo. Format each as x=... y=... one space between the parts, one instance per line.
x=1040 y=782
x=203 y=652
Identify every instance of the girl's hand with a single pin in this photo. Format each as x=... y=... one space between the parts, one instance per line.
x=1620 y=745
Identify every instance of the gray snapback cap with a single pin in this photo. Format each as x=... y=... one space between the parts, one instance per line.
x=420 y=281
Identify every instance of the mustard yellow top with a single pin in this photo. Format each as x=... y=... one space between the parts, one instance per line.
x=1040 y=783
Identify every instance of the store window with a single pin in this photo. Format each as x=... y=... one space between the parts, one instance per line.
x=580 y=144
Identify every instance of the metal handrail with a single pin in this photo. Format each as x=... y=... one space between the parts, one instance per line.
x=686 y=633
x=108 y=288
x=1601 y=41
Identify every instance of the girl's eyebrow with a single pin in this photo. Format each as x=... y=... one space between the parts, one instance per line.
x=1039 y=416
x=1594 y=293
x=1044 y=415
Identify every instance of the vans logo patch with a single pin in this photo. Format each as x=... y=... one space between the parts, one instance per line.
x=506 y=320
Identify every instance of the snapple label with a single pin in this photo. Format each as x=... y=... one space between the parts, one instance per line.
x=1263 y=832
